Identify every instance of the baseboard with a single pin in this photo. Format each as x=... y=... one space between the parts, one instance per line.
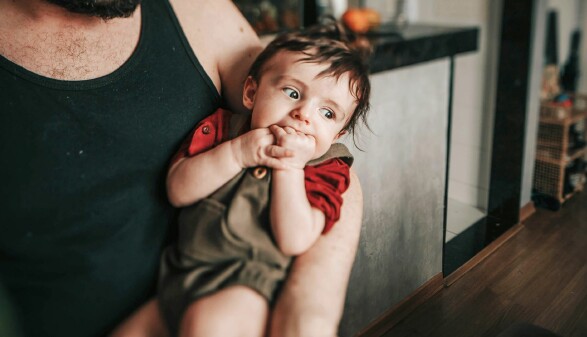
x=397 y=313
x=484 y=253
x=527 y=211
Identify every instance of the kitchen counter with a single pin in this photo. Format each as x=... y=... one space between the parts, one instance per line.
x=418 y=43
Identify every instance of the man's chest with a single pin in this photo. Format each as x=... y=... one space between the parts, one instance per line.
x=68 y=53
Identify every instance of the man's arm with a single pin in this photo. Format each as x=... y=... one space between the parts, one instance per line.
x=224 y=43
x=312 y=300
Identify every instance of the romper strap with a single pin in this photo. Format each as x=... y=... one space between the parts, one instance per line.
x=337 y=150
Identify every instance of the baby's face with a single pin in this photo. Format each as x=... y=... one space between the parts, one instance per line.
x=290 y=93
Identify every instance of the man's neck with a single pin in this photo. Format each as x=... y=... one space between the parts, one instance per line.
x=53 y=42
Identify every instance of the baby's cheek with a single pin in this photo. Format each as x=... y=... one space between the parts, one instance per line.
x=312 y=143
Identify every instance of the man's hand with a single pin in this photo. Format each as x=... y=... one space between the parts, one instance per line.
x=257 y=148
x=301 y=147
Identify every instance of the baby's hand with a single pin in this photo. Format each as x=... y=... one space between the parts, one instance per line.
x=302 y=146
x=257 y=148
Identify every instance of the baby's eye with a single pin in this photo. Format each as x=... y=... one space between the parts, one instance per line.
x=291 y=93
x=327 y=113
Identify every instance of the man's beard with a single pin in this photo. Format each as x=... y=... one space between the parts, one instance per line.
x=105 y=9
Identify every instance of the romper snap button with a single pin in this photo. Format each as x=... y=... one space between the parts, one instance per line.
x=260 y=172
x=206 y=130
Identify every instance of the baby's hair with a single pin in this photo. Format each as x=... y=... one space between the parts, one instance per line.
x=326 y=43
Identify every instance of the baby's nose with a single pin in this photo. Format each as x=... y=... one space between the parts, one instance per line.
x=303 y=114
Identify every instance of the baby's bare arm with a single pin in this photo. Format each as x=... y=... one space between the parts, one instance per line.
x=193 y=178
x=295 y=224
x=312 y=300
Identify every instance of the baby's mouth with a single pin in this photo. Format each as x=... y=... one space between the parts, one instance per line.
x=293 y=127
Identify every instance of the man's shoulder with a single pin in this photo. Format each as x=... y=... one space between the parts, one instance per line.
x=222 y=40
x=218 y=21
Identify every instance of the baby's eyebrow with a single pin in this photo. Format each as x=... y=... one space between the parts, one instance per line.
x=286 y=78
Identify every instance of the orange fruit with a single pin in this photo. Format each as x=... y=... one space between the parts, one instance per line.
x=354 y=19
x=360 y=20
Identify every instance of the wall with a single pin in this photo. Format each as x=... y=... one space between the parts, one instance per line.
x=583 y=52
x=474 y=82
x=533 y=102
x=572 y=14
x=402 y=172
x=568 y=20
x=473 y=97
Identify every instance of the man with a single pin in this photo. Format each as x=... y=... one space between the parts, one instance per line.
x=95 y=97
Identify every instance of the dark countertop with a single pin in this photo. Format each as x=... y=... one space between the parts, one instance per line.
x=418 y=43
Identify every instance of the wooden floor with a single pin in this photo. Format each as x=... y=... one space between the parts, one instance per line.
x=539 y=276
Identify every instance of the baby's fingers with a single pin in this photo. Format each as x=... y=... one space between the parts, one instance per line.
x=277 y=130
x=274 y=163
x=275 y=151
x=290 y=130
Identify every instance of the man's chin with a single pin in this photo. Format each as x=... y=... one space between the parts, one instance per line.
x=105 y=9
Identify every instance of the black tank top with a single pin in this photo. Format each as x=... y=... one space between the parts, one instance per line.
x=84 y=214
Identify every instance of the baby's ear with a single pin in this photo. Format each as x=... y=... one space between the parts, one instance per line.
x=340 y=134
x=249 y=92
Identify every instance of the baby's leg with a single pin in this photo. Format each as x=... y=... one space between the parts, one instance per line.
x=236 y=311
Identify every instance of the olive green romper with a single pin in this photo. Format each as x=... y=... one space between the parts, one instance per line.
x=226 y=240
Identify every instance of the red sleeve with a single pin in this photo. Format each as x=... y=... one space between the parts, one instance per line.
x=325 y=184
x=208 y=133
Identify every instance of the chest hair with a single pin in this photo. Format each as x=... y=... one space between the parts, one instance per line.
x=70 y=53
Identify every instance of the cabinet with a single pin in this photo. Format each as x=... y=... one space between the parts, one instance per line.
x=559 y=171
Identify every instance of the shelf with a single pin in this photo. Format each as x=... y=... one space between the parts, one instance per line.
x=548 y=143
x=553 y=155
x=550 y=160
x=552 y=113
x=563 y=161
x=575 y=118
x=577 y=153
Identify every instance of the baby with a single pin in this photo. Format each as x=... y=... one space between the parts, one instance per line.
x=253 y=196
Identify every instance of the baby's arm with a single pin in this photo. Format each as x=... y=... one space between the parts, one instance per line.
x=193 y=178
x=296 y=225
